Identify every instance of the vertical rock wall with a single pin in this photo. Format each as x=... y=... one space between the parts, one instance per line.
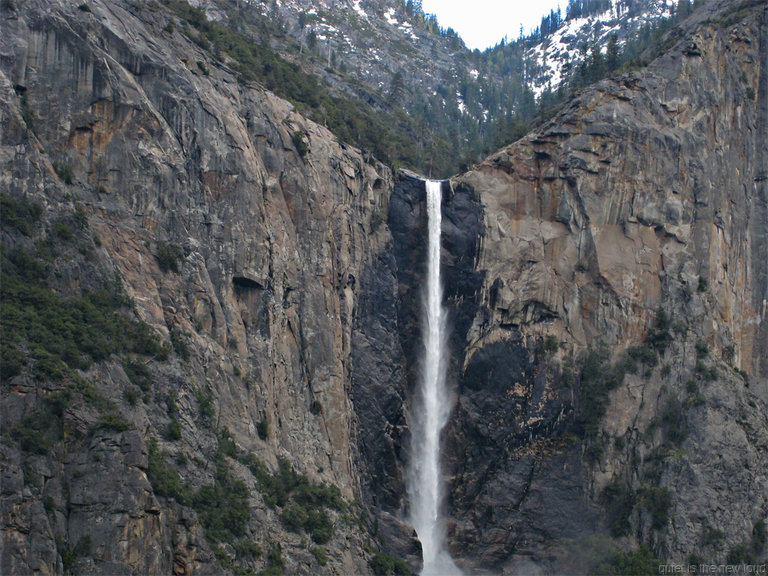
x=276 y=225
x=641 y=204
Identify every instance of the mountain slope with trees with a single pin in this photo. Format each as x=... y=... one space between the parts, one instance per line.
x=386 y=77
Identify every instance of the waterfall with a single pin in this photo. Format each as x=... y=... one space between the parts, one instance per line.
x=430 y=410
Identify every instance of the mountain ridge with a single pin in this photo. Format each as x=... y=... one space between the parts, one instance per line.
x=450 y=101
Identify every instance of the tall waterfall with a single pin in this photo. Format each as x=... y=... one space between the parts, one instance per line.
x=430 y=410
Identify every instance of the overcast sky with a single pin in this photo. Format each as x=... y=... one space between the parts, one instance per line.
x=483 y=23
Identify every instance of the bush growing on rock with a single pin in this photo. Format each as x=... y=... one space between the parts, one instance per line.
x=658 y=502
x=168 y=257
x=619 y=502
x=20 y=215
x=638 y=563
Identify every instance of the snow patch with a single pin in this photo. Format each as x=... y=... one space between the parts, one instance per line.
x=553 y=57
x=462 y=107
x=358 y=9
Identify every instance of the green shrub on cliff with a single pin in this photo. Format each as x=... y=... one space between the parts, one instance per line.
x=619 y=501
x=164 y=479
x=313 y=519
x=63 y=171
x=139 y=374
x=303 y=503
x=639 y=563
x=168 y=257
x=597 y=380
x=20 y=215
x=658 y=502
x=223 y=507
x=320 y=554
x=64 y=334
x=382 y=564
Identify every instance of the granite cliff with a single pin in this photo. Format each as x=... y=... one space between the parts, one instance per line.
x=259 y=283
x=607 y=281
x=236 y=229
x=629 y=233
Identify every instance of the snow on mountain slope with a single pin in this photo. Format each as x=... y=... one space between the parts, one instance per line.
x=555 y=56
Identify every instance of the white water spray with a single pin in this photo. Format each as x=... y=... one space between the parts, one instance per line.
x=430 y=411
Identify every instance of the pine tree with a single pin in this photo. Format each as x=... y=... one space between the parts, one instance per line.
x=396 y=88
x=612 y=52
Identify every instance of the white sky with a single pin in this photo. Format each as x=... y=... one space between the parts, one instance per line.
x=483 y=23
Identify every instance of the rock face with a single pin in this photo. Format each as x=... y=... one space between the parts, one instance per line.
x=644 y=199
x=606 y=278
x=274 y=221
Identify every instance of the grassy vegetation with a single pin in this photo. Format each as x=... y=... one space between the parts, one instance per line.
x=674 y=422
x=60 y=335
x=43 y=332
x=63 y=171
x=741 y=554
x=172 y=431
x=179 y=345
x=303 y=503
x=759 y=535
x=69 y=555
x=21 y=215
x=51 y=338
x=657 y=502
x=619 y=501
x=287 y=484
x=313 y=520
x=750 y=552
x=112 y=422
x=598 y=378
x=639 y=563
x=299 y=143
x=138 y=373
x=547 y=346
x=320 y=554
x=262 y=428
x=43 y=426
x=164 y=479
x=275 y=562
x=223 y=507
x=382 y=564
x=205 y=402
x=247 y=547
